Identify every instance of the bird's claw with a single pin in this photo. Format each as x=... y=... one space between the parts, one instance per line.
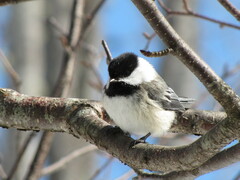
x=140 y=140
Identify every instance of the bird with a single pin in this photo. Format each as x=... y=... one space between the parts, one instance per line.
x=137 y=98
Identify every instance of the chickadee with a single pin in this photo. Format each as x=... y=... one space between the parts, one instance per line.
x=137 y=99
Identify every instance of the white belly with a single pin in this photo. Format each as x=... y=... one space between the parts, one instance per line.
x=138 y=118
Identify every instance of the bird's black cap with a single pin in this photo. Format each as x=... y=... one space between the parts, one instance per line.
x=123 y=65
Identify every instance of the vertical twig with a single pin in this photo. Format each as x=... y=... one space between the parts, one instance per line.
x=90 y=19
x=186 y=6
x=20 y=155
x=66 y=74
x=13 y=74
x=62 y=86
x=41 y=154
x=108 y=53
x=149 y=39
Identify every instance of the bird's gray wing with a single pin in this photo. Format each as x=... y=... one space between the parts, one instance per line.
x=163 y=95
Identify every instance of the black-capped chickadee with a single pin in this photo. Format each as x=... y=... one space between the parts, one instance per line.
x=137 y=99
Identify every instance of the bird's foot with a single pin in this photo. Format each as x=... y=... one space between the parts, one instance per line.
x=140 y=140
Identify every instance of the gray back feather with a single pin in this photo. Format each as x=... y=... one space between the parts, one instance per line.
x=165 y=96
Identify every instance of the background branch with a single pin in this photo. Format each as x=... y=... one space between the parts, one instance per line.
x=66 y=74
x=230 y=8
x=11 y=71
x=20 y=155
x=40 y=156
x=63 y=84
x=63 y=162
x=197 y=15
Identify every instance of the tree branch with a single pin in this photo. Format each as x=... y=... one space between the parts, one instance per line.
x=65 y=160
x=63 y=84
x=66 y=74
x=196 y=15
x=11 y=71
x=43 y=113
x=20 y=155
x=221 y=160
x=197 y=122
x=230 y=8
x=44 y=145
x=85 y=118
x=107 y=51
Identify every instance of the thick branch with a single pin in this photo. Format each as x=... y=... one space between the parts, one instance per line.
x=84 y=118
x=197 y=122
x=37 y=113
x=221 y=160
x=44 y=113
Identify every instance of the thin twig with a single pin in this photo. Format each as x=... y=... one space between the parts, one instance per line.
x=67 y=159
x=63 y=84
x=13 y=74
x=194 y=14
x=99 y=84
x=62 y=34
x=90 y=19
x=149 y=39
x=230 y=8
x=98 y=171
x=107 y=51
x=53 y=21
x=186 y=7
x=41 y=154
x=20 y=155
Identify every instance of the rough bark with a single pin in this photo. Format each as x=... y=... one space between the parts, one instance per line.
x=84 y=118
